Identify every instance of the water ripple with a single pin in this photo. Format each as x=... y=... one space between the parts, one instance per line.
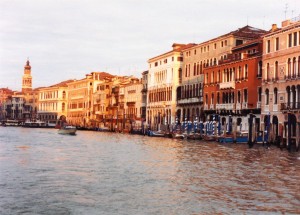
x=42 y=172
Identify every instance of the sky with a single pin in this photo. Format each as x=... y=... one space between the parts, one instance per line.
x=67 y=39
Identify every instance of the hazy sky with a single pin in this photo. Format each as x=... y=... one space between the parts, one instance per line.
x=66 y=39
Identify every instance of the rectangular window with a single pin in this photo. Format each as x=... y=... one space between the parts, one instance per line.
x=277 y=44
x=268 y=46
x=290 y=40
x=180 y=59
x=245 y=95
x=238 y=42
x=295 y=38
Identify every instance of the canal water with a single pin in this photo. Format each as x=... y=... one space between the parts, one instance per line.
x=42 y=172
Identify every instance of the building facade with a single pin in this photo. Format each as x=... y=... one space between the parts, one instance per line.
x=52 y=102
x=197 y=63
x=163 y=80
x=80 y=111
x=232 y=89
x=281 y=81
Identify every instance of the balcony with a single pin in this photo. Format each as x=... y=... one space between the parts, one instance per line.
x=225 y=106
x=290 y=106
x=238 y=106
x=244 y=105
x=211 y=107
x=275 y=107
x=258 y=105
x=190 y=100
x=227 y=85
x=266 y=108
x=205 y=107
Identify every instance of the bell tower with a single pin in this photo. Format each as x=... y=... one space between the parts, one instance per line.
x=27 y=78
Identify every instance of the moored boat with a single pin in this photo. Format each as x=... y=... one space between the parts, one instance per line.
x=208 y=137
x=35 y=124
x=156 y=134
x=179 y=135
x=67 y=130
x=194 y=136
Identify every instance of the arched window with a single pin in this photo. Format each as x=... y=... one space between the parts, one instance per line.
x=276 y=70
x=245 y=95
x=240 y=72
x=275 y=95
x=259 y=68
x=294 y=68
x=239 y=97
x=289 y=68
x=201 y=67
x=299 y=61
x=268 y=72
x=246 y=71
x=267 y=96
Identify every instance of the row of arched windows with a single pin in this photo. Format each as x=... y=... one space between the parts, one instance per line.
x=228 y=97
x=228 y=75
x=190 y=91
x=158 y=95
x=292 y=69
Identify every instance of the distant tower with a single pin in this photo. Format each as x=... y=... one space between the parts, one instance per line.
x=27 y=78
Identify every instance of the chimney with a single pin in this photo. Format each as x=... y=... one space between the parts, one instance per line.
x=285 y=23
x=274 y=27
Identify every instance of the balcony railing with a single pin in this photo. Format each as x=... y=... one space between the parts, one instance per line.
x=244 y=105
x=211 y=106
x=258 y=105
x=290 y=106
x=275 y=107
x=225 y=106
x=238 y=106
x=205 y=107
x=190 y=100
x=266 y=108
x=227 y=85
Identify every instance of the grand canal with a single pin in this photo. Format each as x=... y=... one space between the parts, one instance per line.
x=42 y=172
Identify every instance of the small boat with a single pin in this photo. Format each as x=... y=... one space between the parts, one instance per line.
x=225 y=139
x=177 y=135
x=156 y=134
x=208 y=137
x=103 y=129
x=68 y=130
x=35 y=124
x=242 y=137
x=194 y=136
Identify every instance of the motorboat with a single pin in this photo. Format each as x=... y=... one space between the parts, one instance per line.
x=178 y=135
x=68 y=130
x=156 y=133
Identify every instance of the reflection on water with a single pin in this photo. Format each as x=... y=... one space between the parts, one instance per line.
x=42 y=172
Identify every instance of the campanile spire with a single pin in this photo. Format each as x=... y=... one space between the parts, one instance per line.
x=27 y=78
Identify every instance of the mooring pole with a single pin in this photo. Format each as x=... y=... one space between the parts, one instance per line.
x=250 y=127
